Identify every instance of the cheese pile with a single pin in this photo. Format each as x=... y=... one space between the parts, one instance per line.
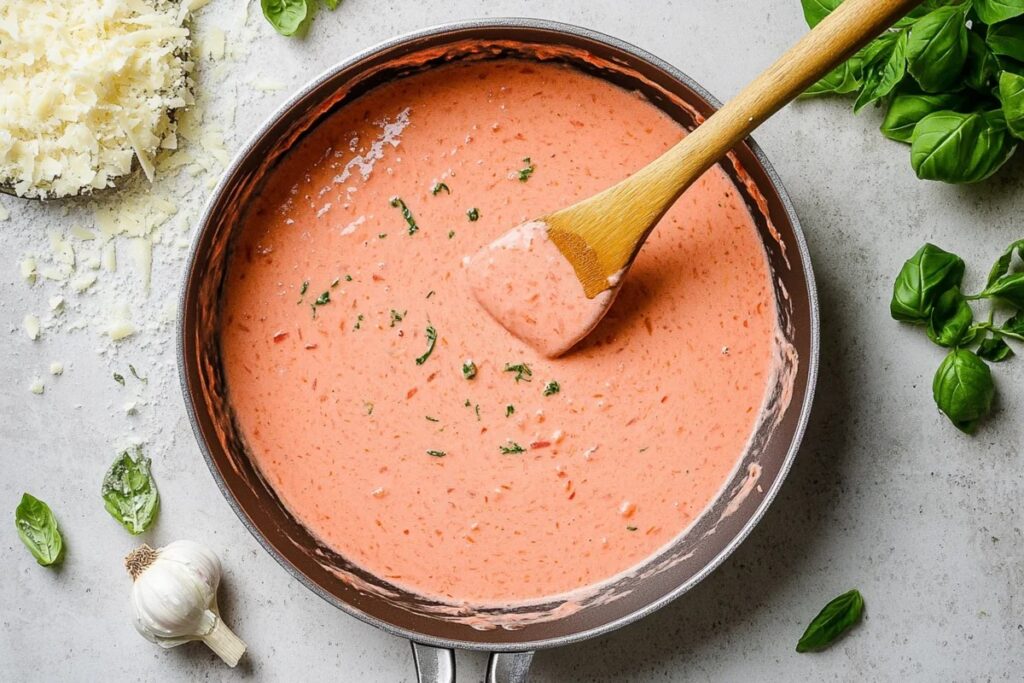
x=85 y=87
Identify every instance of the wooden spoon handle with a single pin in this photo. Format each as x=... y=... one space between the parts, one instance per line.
x=851 y=26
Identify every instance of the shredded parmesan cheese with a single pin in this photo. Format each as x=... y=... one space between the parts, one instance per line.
x=87 y=86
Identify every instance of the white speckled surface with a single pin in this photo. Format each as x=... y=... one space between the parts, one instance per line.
x=885 y=495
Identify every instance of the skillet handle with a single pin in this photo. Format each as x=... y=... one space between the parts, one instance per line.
x=509 y=667
x=437 y=665
x=433 y=664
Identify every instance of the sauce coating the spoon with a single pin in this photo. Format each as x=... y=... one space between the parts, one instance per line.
x=531 y=290
x=405 y=427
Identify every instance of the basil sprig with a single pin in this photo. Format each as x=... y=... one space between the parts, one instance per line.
x=832 y=621
x=927 y=292
x=37 y=529
x=130 y=494
x=950 y=76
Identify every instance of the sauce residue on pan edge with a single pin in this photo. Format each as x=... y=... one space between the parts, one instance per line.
x=349 y=331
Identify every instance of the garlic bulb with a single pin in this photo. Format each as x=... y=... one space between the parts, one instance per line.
x=175 y=598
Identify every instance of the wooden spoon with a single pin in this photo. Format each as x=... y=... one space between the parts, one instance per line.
x=523 y=278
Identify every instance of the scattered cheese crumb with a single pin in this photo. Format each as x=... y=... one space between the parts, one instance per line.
x=31 y=325
x=56 y=368
x=36 y=386
x=4 y=213
x=120 y=326
x=56 y=303
x=83 y=282
x=130 y=408
x=28 y=270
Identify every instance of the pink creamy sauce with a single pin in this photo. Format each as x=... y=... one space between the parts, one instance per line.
x=493 y=489
x=531 y=289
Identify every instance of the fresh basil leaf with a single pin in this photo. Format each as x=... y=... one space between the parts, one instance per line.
x=286 y=16
x=981 y=68
x=841 y=80
x=1007 y=39
x=832 y=621
x=994 y=349
x=1002 y=265
x=1014 y=325
x=923 y=278
x=130 y=494
x=37 y=529
x=816 y=10
x=1009 y=288
x=332 y=4
x=995 y=11
x=963 y=389
x=960 y=148
x=906 y=109
x=885 y=72
x=937 y=48
x=951 y=319
x=1011 y=93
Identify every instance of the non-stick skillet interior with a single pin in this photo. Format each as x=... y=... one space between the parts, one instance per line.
x=664 y=576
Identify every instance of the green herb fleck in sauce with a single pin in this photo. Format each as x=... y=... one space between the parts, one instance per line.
x=436 y=454
x=323 y=299
x=430 y=293
x=359 y=322
x=527 y=171
x=451 y=234
x=406 y=214
x=552 y=387
x=348 y=278
x=510 y=448
x=430 y=418
x=438 y=187
x=368 y=407
x=509 y=410
x=381 y=235
x=119 y=378
x=304 y=288
x=473 y=214
x=630 y=528
x=335 y=282
x=431 y=342
x=397 y=317
x=469 y=369
x=522 y=370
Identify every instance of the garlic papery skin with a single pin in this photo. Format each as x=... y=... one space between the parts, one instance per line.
x=174 y=596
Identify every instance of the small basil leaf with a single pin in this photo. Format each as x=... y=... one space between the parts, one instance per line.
x=960 y=148
x=963 y=389
x=832 y=621
x=1011 y=92
x=937 y=48
x=129 y=492
x=286 y=16
x=994 y=11
x=1014 y=325
x=994 y=349
x=951 y=319
x=906 y=109
x=1009 y=288
x=37 y=529
x=981 y=68
x=1007 y=39
x=1002 y=265
x=924 y=276
x=884 y=72
x=816 y=10
x=843 y=79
